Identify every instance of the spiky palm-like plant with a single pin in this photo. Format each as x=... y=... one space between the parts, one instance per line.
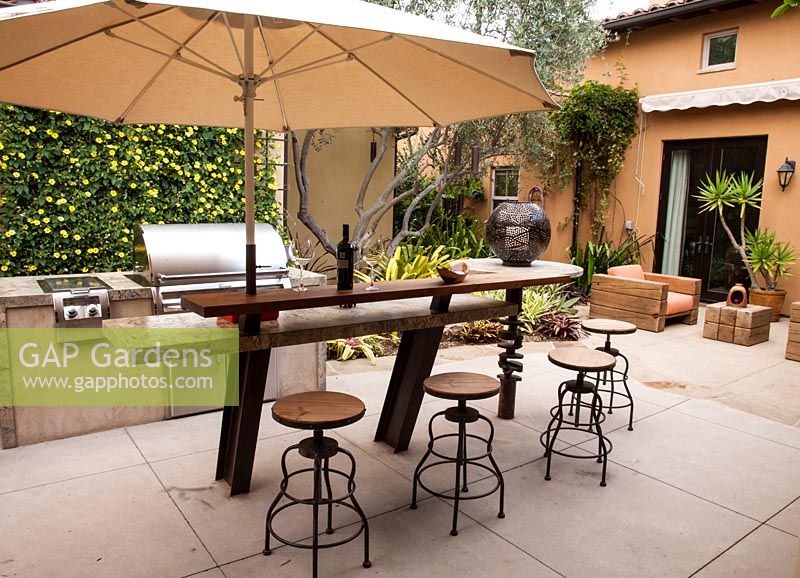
x=732 y=191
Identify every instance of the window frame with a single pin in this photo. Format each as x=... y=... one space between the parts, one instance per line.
x=707 y=38
x=505 y=198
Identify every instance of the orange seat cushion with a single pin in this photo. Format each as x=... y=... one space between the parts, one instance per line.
x=628 y=271
x=679 y=303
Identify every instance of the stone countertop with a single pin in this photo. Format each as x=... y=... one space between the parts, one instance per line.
x=25 y=291
x=300 y=326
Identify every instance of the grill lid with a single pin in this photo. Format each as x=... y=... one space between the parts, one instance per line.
x=208 y=252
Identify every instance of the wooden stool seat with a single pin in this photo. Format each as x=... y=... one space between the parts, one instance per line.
x=581 y=359
x=608 y=326
x=318 y=410
x=461 y=385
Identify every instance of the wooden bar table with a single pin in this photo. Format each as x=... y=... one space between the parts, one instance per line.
x=402 y=306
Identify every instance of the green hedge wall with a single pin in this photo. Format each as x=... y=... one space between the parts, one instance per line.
x=71 y=187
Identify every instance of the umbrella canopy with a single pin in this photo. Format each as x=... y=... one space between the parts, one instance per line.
x=267 y=64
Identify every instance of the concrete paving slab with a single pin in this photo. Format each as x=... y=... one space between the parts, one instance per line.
x=636 y=526
x=233 y=528
x=192 y=434
x=788 y=519
x=773 y=392
x=113 y=524
x=750 y=475
x=514 y=445
x=407 y=543
x=212 y=573
x=766 y=553
x=705 y=363
x=45 y=463
x=742 y=421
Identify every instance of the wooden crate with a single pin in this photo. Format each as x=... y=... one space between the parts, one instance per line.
x=793 y=344
x=740 y=325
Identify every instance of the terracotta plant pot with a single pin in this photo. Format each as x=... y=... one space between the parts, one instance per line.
x=773 y=299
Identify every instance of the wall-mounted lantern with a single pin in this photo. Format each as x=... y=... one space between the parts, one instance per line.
x=785 y=173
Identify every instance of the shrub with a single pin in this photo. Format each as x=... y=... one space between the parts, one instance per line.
x=369 y=346
x=599 y=256
x=71 y=187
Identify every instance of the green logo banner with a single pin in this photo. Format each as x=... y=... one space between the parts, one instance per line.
x=119 y=367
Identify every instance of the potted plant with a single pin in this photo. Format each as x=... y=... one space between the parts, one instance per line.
x=730 y=191
x=770 y=259
x=760 y=251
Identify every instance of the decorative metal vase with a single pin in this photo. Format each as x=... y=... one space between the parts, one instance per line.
x=519 y=232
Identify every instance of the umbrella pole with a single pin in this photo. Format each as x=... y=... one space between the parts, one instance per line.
x=251 y=324
x=249 y=88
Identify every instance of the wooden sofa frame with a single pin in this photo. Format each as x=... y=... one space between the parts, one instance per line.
x=643 y=303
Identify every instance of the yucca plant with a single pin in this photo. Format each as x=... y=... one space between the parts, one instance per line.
x=724 y=191
x=769 y=257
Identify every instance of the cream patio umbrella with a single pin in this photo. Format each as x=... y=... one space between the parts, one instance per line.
x=268 y=64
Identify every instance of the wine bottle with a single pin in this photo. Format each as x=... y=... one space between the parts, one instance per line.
x=344 y=261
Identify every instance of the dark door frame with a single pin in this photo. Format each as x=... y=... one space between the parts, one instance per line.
x=712 y=154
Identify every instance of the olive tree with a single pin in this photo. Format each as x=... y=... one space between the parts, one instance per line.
x=563 y=35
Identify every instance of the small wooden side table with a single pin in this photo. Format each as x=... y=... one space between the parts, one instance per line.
x=740 y=325
x=793 y=343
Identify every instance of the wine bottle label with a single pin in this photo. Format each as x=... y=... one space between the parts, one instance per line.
x=342 y=264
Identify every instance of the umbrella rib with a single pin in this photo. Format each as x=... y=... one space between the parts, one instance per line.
x=320 y=62
x=78 y=39
x=277 y=87
x=179 y=57
x=289 y=50
x=475 y=69
x=381 y=78
x=171 y=39
x=157 y=75
x=233 y=43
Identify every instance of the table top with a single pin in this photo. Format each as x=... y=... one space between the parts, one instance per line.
x=484 y=275
x=608 y=326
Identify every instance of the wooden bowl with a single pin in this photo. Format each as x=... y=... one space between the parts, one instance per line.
x=456 y=273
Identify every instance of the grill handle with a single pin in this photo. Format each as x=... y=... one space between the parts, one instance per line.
x=271 y=271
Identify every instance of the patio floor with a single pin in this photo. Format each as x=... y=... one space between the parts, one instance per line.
x=698 y=488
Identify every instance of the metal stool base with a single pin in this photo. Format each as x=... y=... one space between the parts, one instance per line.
x=576 y=389
x=319 y=449
x=461 y=415
x=612 y=377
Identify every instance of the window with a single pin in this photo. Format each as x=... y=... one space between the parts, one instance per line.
x=719 y=51
x=505 y=185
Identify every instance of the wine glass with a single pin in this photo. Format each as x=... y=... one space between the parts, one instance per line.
x=301 y=252
x=372 y=255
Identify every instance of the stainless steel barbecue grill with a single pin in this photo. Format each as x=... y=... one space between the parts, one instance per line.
x=175 y=260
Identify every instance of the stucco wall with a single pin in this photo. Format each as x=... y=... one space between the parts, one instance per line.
x=666 y=59
x=335 y=174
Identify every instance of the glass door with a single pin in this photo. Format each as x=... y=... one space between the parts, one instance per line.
x=692 y=243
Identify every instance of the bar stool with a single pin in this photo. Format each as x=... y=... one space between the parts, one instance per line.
x=583 y=360
x=610 y=327
x=461 y=387
x=318 y=411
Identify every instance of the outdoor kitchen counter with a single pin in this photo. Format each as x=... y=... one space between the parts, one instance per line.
x=26 y=292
